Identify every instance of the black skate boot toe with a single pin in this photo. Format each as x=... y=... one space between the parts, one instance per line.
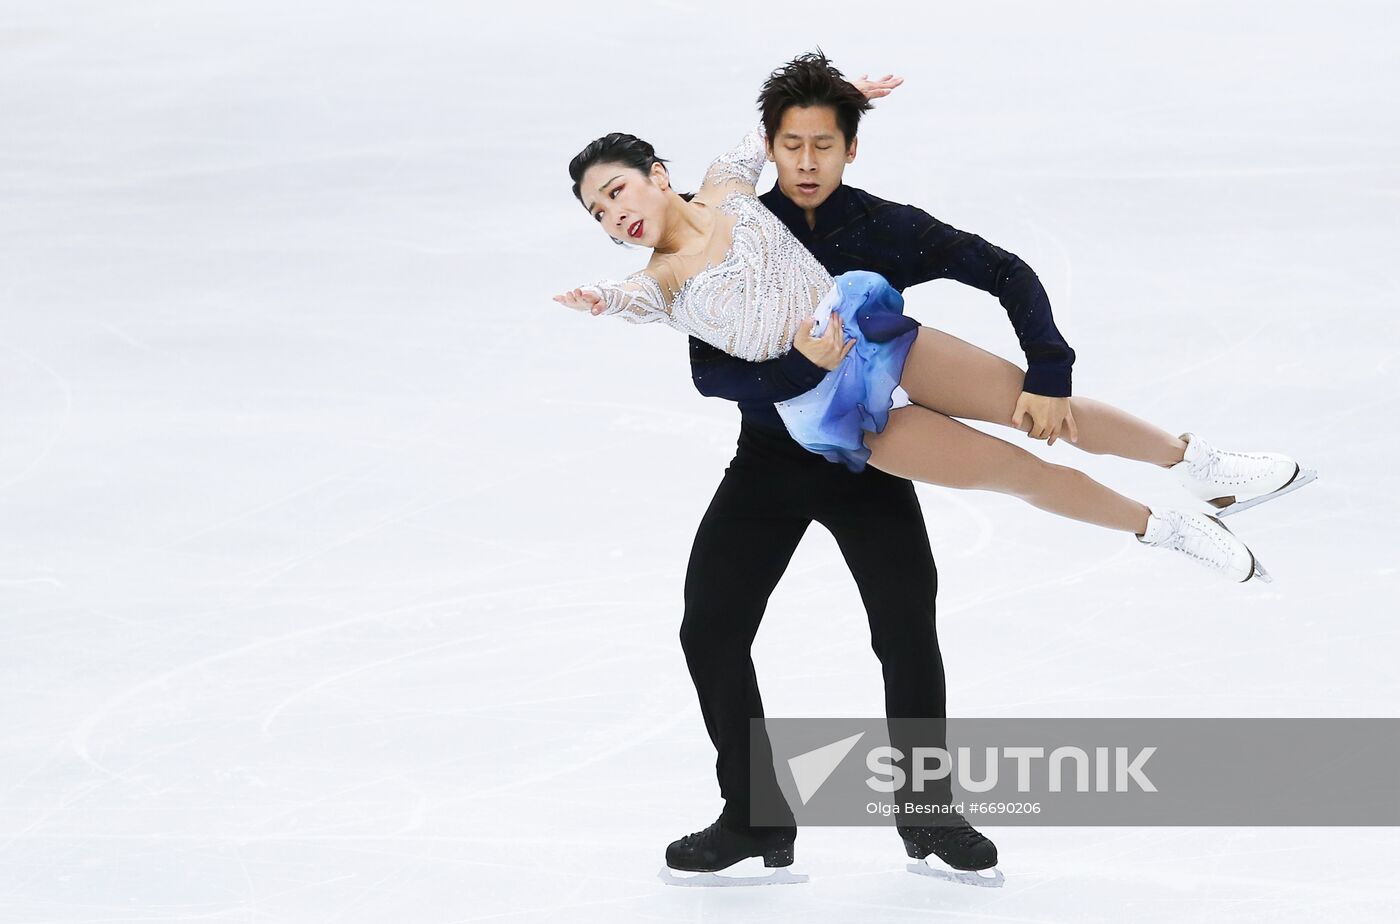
x=719 y=847
x=955 y=842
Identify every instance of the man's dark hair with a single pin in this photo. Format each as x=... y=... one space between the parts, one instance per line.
x=811 y=80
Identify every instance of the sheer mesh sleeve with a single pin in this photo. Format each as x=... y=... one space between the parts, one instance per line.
x=638 y=298
x=739 y=168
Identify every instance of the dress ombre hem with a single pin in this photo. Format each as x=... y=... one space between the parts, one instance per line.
x=855 y=398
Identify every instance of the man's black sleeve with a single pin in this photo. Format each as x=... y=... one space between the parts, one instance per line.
x=716 y=374
x=941 y=251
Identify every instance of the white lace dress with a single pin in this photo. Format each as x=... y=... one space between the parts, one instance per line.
x=749 y=300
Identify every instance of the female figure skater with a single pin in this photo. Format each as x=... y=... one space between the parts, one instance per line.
x=726 y=270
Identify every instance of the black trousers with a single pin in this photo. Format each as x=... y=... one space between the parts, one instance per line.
x=770 y=494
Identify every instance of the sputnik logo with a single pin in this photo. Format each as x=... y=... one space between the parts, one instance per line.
x=812 y=769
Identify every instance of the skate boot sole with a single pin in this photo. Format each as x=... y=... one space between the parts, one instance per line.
x=1304 y=476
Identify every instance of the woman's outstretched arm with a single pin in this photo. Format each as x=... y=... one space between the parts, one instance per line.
x=638 y=298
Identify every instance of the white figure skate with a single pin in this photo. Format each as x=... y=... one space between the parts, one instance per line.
x=1236 y=481
x=1203 y=539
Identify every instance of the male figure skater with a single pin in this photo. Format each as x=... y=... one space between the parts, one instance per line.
x=774 y=489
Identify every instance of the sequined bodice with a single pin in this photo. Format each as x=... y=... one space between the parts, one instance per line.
x=749 y=303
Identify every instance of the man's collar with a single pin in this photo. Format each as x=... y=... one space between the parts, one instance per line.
x=829 y=213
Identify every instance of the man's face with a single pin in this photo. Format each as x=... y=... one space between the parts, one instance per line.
x=811 y=154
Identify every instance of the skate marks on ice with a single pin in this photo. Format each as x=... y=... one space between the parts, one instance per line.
x=781 y=876
x=987 y=879
x=15 y=383
x=1305 y=476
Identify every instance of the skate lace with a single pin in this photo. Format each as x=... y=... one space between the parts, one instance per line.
x=702 y=838
x=1202 y=544
x=961 y=834
x=1176 y=536
x=1221 y=465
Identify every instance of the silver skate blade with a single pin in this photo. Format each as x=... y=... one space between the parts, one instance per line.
x=782 y=876
x=1304 y=476
x=1260 y=573
x=972 y=877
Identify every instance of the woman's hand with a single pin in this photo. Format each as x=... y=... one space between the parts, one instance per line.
x=827 y=350
x=579 y=300
x=1050 y=418
x=874 y=89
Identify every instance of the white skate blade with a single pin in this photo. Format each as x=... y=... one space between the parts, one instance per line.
x=1304 y=476
x=987 y=879
x=781 y=876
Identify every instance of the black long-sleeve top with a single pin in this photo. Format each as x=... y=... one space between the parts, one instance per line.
x=857 y=231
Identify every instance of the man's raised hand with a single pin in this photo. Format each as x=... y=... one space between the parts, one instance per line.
x=874 y=89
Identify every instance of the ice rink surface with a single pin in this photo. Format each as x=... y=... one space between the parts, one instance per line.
x=340 y=569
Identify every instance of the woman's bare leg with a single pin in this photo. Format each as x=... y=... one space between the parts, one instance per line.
x=957 y=379
x=924 y=445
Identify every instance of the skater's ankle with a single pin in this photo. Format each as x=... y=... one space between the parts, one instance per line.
x=1174 y=453
x=1140 y=526
x=742 y=826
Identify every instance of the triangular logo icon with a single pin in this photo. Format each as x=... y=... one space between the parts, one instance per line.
x=810 y=770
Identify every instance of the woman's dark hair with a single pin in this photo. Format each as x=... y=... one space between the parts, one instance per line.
x=617 y=148
x=811 y=80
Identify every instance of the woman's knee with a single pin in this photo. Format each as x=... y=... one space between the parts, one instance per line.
x=1023 y=474
x=1047 y=477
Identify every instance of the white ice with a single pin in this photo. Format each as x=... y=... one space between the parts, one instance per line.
x=340 y=569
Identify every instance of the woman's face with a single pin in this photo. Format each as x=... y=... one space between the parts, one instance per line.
x=630 y=205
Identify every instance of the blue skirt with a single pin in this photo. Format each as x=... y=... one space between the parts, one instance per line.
x=857 y=396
